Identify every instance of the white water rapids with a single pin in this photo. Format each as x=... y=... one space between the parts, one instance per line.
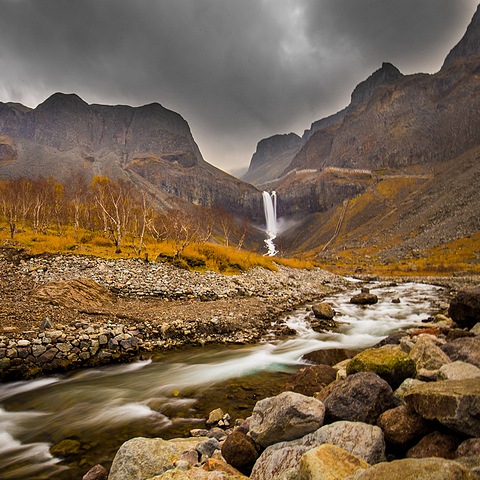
x=94 y=405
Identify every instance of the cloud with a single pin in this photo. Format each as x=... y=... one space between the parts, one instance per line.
x=237 y=71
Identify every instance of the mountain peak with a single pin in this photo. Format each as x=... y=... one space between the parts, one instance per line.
x=63 y=101
x=469 y=45
x=383 y=76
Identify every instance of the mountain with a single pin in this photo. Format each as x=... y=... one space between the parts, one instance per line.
x=150 y=145
x=399 y=166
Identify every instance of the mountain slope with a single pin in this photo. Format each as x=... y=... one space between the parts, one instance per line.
x=64 y=134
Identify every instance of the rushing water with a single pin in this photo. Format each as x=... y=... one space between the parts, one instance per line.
x=270 y=209
x=173 y=392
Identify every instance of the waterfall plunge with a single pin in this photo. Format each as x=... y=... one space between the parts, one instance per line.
x=270 y=208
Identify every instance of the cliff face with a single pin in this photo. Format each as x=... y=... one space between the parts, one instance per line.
x=150 y=145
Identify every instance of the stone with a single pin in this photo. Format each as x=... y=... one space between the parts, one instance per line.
x=323 y=311
x=45 y=323
x=145 y=457
x=435 y=444
x=38 y=350
x=217 y=433
x=65 y=448
x=190 y=456
x=455 y=333
x=239 y=451
x=417 y=468
x=458 y=370
x=402 y=425
x=47 y=356
x=207 y=447
x=97 y=472
x=401 y=391
x=393 y=339
x=454 y=403
x=476 y=329
x=391 y=364
x=285 y=417
x=464 y=349
x=289 y=474
x=427 y=355
x=329 y=462
x=364 y=298
x=310 y=380
x=82 y=294
x=330 y=356
x=215 y=416
x=464 y=308
x=469 y=448
x=362 y=397
x=213 y=465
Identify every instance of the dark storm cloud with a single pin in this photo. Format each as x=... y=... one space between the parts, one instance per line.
x=237 y=70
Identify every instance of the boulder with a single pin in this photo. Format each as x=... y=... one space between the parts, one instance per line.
x=464 y=308
x=215 y=416
x=427 y=355
x=82 y=294
x=311 y=380
x=329 y=462
x=401 y=391
x=469 y=448
x=97 y=472
x=416 y=468
x=362 y=397
x=215 y=465
x=330 y=356
x=458 y=371
x=287 y=416
x=364 y=441
x=323 y=311
x=402 y=425
x=464 y=349
x=207 y=447
x=240 y=451
x=435 y=444
x=454 y=403
x=145 y=457
x=391 y=364
x=364 y=298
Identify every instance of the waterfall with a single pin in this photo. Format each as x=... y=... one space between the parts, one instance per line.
x=270 y=208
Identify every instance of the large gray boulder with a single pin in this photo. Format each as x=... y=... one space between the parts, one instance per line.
x=360 y=439
x=141 y=458
x=427 y=354
x=415 y=469
x=464 y=349
x=454 y=403
x=458 y=370
x=362 y=397
x=285 y=417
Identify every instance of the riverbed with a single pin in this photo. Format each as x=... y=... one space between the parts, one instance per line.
x=170 y=393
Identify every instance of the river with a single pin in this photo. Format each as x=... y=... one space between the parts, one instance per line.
x=171 y=393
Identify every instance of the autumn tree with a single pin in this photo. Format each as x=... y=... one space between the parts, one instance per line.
x=76 y=190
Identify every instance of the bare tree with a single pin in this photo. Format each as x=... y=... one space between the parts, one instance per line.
x=75 y=190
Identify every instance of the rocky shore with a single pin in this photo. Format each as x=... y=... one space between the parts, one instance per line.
x=407 y=408
x=64 y=312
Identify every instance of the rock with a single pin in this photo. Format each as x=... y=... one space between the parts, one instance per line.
x=417 y=468
x=145 y=457
x=323 y=311
x=402 y=425
x=214 y=465
x=362 y=397
x=46 y=323
x=391 y=364
x=393 y=339
x=455 y=333
x=190 y=456
x=215 y=416
x=476 y=329
x=454 y=403
x=469 y=448
x=465 y=308
x=458 y=371
x=289 y=474
x=285 y=417
x=239 y=451
x=216 y=432
x=97 y=472
x=329 y=462
x=364 y=441
x=65 y=448
x=207 y=447
x=364 y=299
x=330 y=356
x=360 y=439
x=464 y=349
x=82 y=294
x=310 y=380
x=435 y=444
x=427 y=355
x=406 y=386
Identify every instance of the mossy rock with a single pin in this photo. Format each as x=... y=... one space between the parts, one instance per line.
x=65 y=448
x=391 y=364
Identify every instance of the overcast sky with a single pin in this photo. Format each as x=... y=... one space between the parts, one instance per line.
x=236 y=70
